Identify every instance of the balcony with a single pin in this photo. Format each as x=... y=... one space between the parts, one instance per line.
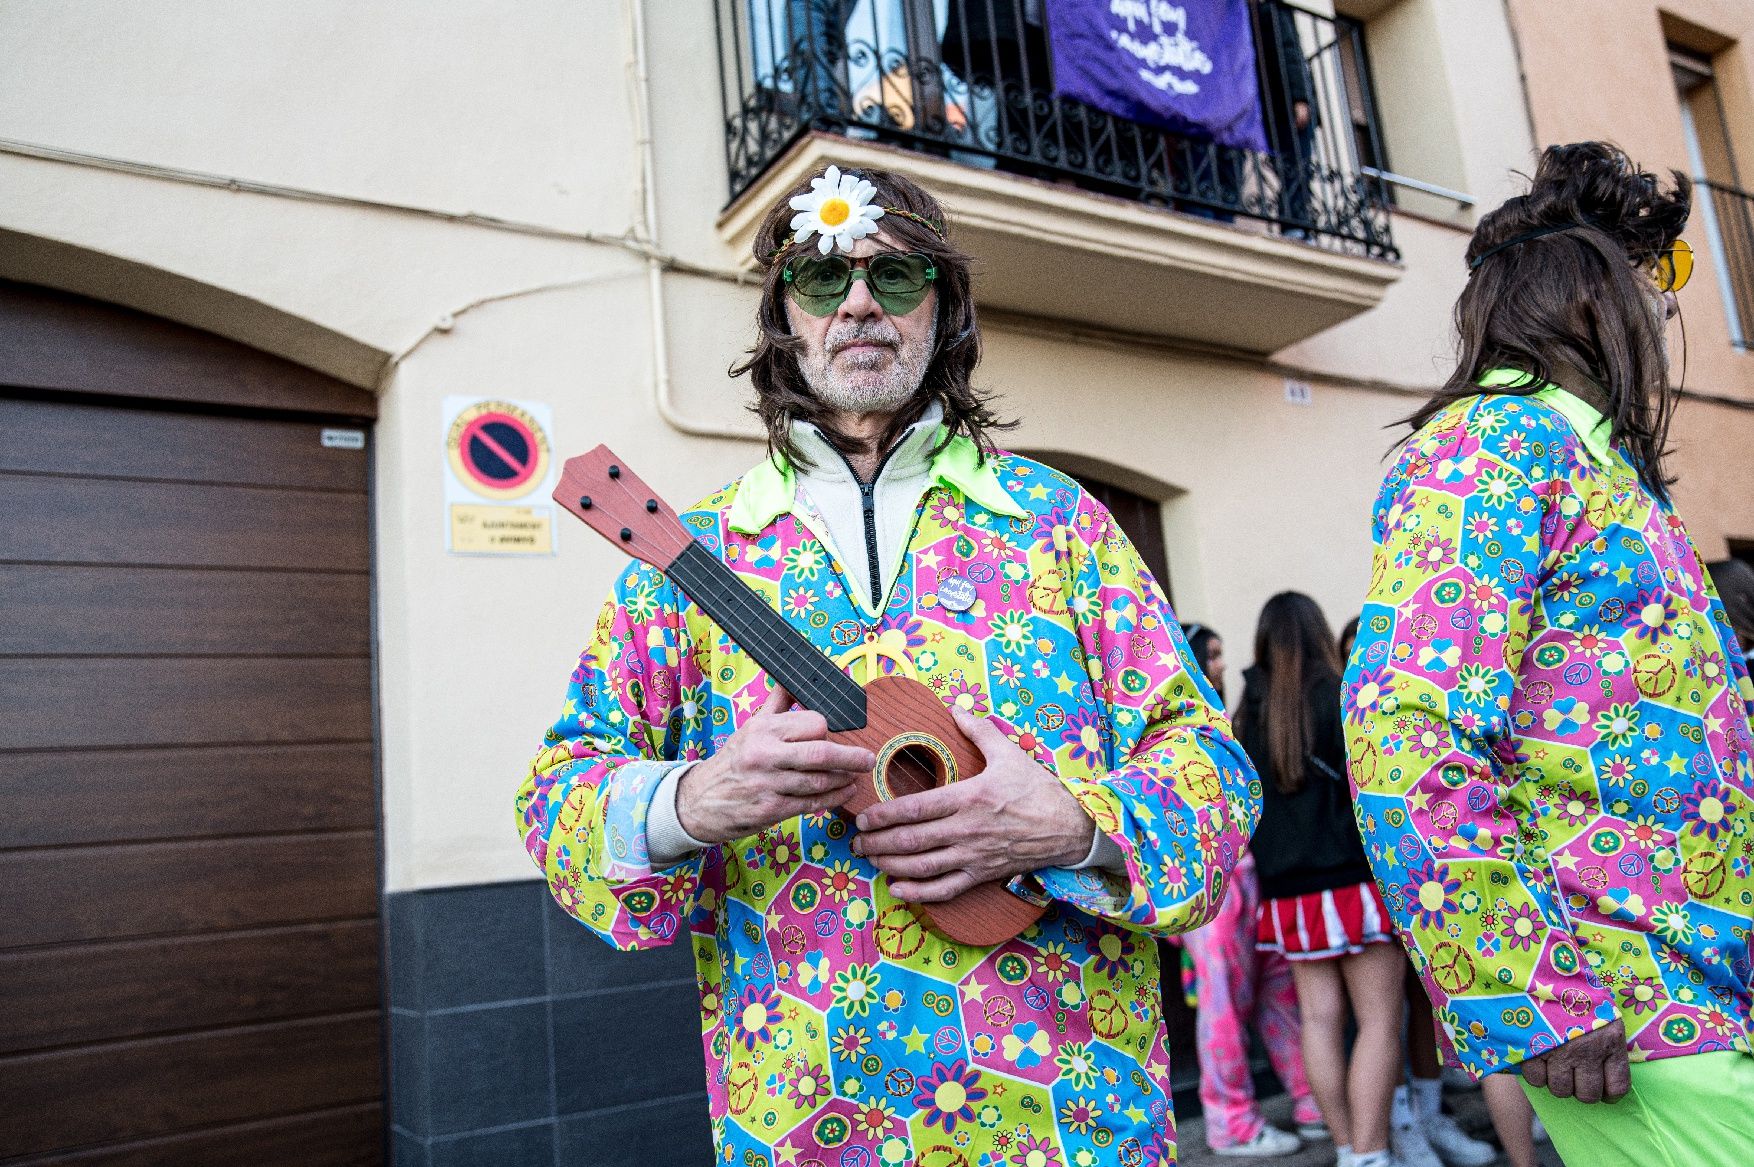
x=1074 y=214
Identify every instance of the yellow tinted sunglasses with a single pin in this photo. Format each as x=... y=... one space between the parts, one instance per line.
x=1674 y=267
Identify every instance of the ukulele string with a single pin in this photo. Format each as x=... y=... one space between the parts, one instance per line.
x=757 y=615
x=831 y=690
x=825 y=688
x=744 y=601
x=915 y=770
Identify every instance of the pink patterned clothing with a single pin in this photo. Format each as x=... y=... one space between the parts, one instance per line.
x=837 y=1027
x=1238 y=985
x=1549 y=736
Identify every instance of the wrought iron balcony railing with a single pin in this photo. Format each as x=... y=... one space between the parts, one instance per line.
x=1729 y=225
x=971 y=81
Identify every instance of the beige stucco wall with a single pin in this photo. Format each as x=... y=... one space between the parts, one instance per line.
x=1247 y=522
x=451 y=108
x=1626 y=93
x=527 y=114
x=476 y=651
x=1445 y=74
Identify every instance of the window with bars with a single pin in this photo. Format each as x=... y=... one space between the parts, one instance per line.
x=1722 y=207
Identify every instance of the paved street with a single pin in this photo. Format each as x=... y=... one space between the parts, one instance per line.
x=1469 y=1108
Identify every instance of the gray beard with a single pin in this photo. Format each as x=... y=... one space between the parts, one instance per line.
x=892 y=389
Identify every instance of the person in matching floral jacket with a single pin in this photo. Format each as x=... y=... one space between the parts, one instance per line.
x=1548 y=713
x=679 y=799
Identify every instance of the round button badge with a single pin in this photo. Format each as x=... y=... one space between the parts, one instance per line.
x=956 y=593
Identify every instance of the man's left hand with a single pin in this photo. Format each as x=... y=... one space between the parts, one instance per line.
x=1014 y=816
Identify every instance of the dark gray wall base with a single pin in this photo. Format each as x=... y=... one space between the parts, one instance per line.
x=518 y=1039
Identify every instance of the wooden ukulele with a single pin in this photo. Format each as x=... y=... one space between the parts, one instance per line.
x=900 y=720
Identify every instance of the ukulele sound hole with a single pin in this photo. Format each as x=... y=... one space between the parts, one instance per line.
x=911 y=763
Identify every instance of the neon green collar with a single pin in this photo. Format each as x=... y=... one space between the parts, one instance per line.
x=1592 y=428
x=769 y=490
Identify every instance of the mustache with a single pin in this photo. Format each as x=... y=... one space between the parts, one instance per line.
x=865 y=332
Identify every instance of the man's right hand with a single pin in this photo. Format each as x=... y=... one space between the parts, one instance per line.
x=1591 y=1068
x=778 y=765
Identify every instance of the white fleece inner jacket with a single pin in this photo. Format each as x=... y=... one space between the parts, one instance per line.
x=829 y=490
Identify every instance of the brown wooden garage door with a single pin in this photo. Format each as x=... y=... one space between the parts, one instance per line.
x=189 y=956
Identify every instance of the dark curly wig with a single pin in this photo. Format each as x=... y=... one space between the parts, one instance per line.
x=782 y=396
x=1558 y=285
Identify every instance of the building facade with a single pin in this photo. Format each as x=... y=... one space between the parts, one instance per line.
x=263 y=724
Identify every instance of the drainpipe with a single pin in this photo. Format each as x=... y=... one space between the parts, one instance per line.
x=663 y=389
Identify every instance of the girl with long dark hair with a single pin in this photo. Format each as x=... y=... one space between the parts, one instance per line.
x=1320 y=908
x=1548 y=718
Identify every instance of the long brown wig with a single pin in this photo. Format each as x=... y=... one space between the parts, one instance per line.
x=782 y=396
x=1294 y=647
x=1558 y=288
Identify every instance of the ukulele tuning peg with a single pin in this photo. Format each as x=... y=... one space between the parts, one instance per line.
x=584 y=502
x=626 y=535
x=651 y=506
x=614 y=471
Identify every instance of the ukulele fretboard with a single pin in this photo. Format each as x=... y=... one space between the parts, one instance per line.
x=776 y=646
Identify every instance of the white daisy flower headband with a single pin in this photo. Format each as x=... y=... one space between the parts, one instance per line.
x=838 y=211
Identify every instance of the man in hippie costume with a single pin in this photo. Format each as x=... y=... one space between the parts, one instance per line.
x=680 y=797
x=1548 y=713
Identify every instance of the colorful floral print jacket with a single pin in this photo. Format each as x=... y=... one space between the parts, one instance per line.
x=1549 y=738
x=837 y=1029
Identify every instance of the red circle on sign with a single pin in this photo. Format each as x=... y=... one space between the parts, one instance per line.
x=476 y=442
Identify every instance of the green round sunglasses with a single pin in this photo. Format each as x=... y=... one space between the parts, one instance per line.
x=897 y=280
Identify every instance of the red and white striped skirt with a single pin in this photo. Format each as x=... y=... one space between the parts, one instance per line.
x=1324 y=924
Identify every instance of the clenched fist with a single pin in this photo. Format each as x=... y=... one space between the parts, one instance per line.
x=1591 y=1068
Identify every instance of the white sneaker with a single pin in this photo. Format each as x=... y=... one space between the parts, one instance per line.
x=1407 y=1137
x=1453 y=1145
x=1269 y=1143
x=1314 y=1132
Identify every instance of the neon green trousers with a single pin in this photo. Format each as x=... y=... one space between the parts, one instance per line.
x=1695 y=1111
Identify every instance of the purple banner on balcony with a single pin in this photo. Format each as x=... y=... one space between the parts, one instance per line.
x=1188 y=67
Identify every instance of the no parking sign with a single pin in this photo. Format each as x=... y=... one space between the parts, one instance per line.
x=499 y=474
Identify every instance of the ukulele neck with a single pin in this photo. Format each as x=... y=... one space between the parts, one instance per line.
x=809 y=676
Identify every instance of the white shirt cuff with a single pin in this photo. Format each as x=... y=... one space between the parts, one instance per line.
x=667 y=843
x=1104 y=853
